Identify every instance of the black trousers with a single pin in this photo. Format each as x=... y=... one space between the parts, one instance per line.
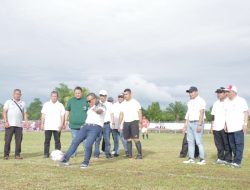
x=221 y=141
x=18 y=131
x=184 y=148
x=48 y=134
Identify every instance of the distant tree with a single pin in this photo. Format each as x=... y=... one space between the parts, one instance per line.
x=34 y=109
x=154 y=112
x=167 y=116
x=1 y=111
x=64 y=93
x=208 y=114
x=178 y=110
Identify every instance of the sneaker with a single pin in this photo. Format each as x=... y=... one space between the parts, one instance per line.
x=201 y=162
x=84 y=166
x=46 y=156
x=116 y=155
x=235 y=165
x=109 y=157
x=6 y=157
x=219 y=161
x=189 y=161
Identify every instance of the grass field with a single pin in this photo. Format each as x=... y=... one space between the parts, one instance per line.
x=160 y=169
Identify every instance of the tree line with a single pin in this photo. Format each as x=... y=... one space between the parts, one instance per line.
x=174 y=112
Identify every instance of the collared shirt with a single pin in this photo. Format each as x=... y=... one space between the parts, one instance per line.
x=77 y=112
x=117 y=110
x=14 y=114
x=219 y=112
x=194 y=107
x=109 y=110
x=130 y=110
x=235 y=113
x=53 y=115
x=93 y=117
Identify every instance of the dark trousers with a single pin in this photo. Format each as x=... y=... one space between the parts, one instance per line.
x=184 y=148
x=18 y=131
x=236 y=141
x=48 y=134
x=221 y=141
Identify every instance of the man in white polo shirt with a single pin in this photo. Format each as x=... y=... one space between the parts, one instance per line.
x=195 y=125
x=14 y=112
x=88 y=132
x=236 y=124
x=221 y=141
x=132 y=116
x=52 y=121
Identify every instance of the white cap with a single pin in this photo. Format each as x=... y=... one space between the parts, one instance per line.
x=103 y=92
x=232 y=88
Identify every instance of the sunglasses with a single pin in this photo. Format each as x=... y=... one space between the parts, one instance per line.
x=90 y=100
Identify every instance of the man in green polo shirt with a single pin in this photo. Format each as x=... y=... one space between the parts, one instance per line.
x=76 y=112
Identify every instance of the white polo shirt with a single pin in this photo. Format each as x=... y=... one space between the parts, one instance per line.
x=130 y=110
x=219 y=113
x=109 y=111
x=235 y=113
x=14 y=114
x=117 y=110
x=93 y=117
x=53 y=113
x=194 y=107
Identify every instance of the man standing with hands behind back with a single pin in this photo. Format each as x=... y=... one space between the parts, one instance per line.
x=132 y=116
x=195 y=125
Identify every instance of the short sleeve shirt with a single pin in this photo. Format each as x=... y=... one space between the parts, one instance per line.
x=130 y=110
x=219 y=113
x=78 y=112
x=235 y=113
x=14 y=114
x=194 y=107
x=53 y=114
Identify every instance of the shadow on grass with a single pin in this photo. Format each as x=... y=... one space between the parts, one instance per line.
x=32 y=154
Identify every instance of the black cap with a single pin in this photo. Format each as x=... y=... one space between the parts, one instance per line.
x=192 y=89
x=220 y=90
x=110 y=99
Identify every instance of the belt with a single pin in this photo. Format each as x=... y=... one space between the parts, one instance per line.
x=193 y=121
x=90 y=124
x=105 y=123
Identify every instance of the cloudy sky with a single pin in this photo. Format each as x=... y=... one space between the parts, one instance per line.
x=158 y=48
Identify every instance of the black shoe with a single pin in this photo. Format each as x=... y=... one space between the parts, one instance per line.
x=109 y=157
x=46 y=156
x=116 y=155
x=138 y=157
x=182 y=156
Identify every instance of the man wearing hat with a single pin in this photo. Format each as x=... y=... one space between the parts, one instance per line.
x=236 y=124
x=221 y=141
x=108 y=121
x=194 y=125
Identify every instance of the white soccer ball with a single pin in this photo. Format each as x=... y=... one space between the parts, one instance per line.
x=57 y=155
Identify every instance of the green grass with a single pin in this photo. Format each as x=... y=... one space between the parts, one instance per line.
x=160 y=169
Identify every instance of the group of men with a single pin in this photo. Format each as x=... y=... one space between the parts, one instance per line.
x=229 y=123
x=88 y=118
